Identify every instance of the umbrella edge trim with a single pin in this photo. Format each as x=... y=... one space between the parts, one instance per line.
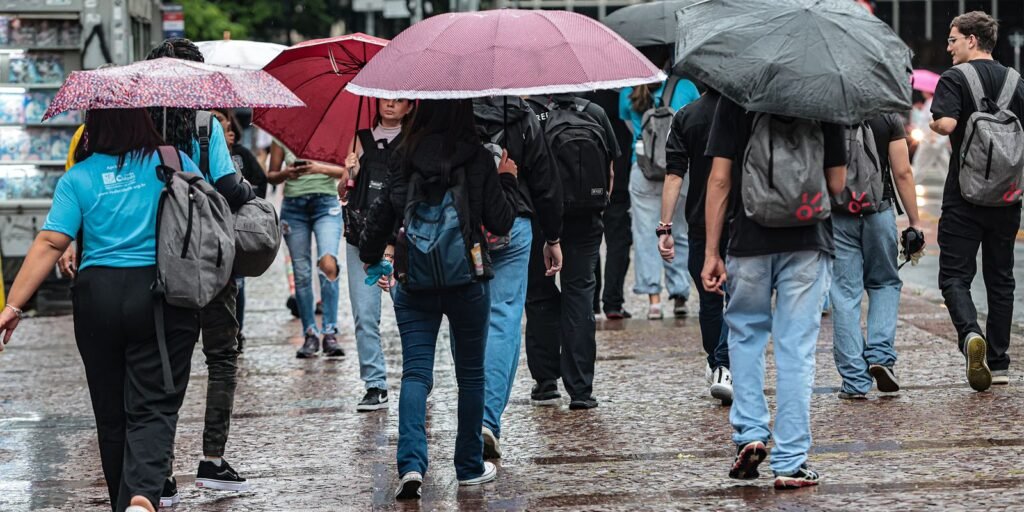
x=375 y=92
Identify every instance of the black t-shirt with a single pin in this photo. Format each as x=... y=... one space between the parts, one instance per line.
x=247 y=164
x=684 y=151
x=730 y=132
x=887 y=128
x=953 y=99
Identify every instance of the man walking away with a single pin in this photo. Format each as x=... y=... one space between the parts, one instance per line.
x=778 y=243
x=979 y=103
x=684 y=151
x=866 y=252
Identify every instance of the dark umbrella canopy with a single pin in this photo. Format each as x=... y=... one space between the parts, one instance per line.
x=647 y=24
x=828 y=60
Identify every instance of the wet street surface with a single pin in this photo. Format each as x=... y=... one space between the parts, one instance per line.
x=656 y=442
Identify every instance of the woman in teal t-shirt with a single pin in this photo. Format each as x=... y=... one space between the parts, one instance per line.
x=110 y=199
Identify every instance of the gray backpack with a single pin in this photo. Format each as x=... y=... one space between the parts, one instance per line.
x=195 y=238
x=783 y=182
x=862 y=194
x=654 y=128
x=992 y=154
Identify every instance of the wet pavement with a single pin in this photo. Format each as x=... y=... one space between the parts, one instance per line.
x=656 y=442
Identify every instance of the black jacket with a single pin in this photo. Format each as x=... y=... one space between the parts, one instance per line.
x=491 y=196
x=540 y=189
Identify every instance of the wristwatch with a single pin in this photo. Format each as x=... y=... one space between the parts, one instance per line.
x=663 y=230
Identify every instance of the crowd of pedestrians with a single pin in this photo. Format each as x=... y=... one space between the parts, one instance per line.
x=483 y=211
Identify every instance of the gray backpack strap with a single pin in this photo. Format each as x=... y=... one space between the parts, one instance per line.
x=973 y=82
x=1009 y=88
x=669 y=91
x=204 y=130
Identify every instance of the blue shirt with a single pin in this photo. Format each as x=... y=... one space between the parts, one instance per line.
x=116 y=208
x=684 y=94
x=220 y=156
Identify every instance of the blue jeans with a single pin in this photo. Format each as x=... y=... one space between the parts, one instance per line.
x=508 y=296
x=303 y=217
x=365 y=301
x=645 y=209
x=419 y=319
x=800 y=281
x=866 y=251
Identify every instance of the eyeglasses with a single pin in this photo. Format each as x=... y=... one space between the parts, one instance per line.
x=952 y=40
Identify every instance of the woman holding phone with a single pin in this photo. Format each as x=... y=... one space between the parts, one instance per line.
x=311 y=209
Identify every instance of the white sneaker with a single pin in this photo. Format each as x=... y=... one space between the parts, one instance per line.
x=721 y=387
x=490 y=473
x=136 y=508
x=654 y=312
x=492 y=446
x=1000 y=377
x=708 y=374
x=409 y=487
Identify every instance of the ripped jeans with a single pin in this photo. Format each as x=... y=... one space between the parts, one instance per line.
x=302 y=217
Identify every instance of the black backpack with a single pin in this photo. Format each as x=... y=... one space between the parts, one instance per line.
x=578 y=147
x=373 y=173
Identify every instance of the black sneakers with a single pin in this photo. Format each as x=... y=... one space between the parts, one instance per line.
x=545 y=393
x=884 y=378
x=978 y=374
x=222 y=477
x=309 y=347
x=331 y=346
x=582 y=403
x=803 y=477
x=748 y=457
x=617 y=314
x=169 y=496
x=409 y=486
x=374 y=399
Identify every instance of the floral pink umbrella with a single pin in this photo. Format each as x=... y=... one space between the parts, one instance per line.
x=168 y=82
x=503 y=52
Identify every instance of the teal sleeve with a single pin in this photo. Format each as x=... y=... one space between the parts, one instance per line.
x=220 y=156
x=66 y=213
x=187 y=165
x=625 y=107
x=686 y=92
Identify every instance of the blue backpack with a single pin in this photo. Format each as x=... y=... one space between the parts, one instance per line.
x=434 y=252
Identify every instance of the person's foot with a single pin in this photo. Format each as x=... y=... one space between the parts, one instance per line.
x=169 y=496
x=617 y=314
x=803 y=477
x=721 y=385
x=582 y=403
x=331 y=346
x=885 y=378
x=374 y=400
x=748 y=457
x=852 y=396
x=490 y=473
x=220 y=477
x=545 y=393
x=139 y=504
x=978 y=374
x=409 y=486
x=309 y=347
x=679 y=306
x=709 y=374
x=241 y=342
x=492 y=446
x=654 y=312
x=1000 y=377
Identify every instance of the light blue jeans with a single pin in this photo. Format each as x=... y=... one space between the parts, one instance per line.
x=866 y=251
x=302 y=218
x=800 y=281
x=365 y=301
x=645 y=209
x=508 y=296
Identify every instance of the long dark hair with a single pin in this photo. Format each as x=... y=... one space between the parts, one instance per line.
x=451 y=118
x=642 y=96
x=232 y=121
x=120 y=132
x=181 y=122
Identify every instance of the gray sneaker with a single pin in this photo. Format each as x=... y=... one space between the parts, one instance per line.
x=978 y=374
x=1000 y=377
x=309 y=347
x=331 y=346
x=843 y=395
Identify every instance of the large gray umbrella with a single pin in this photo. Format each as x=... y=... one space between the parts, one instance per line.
x=647 y=24
x=828 y=60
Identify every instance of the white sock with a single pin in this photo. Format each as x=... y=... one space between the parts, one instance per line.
x=215 y=460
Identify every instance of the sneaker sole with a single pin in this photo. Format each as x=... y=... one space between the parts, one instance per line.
x=371 y=408
x=305 y=356
x=334 y=354
x=785 y=482
x=884 y=381
x=1000 y=381
x=169 y=502
x=721 y=392
x=614 y=316
x=978 y=374
x=409 y=491
x=221 y=485
x=482 y=479
x=547 y=402
x=745 y=467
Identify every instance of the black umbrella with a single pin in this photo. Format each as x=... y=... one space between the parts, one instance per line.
x=828 y=60
x=647 y=24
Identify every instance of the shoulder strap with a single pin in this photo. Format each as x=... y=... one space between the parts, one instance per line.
x=669 y=90
x=581 y=104
x=170 y=158
x=973 y=82
x=366 y=140
x=204 y=129
x=1009 y=88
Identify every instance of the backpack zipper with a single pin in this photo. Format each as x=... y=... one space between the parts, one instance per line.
x=988 y=160
x=188 y=227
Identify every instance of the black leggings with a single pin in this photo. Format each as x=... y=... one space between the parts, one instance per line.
x=135 y=417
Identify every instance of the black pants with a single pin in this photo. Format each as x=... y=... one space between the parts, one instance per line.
x=220 y=346
x=135 y=417
x=560 y=325
x=713 y=332
x=618 y=238
x=962 y=229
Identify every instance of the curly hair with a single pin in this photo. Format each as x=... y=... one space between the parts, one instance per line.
x=181 y=122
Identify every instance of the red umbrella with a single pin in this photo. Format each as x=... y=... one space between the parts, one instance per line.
x=503 y=52
x=317 y=72
x=168 y=82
